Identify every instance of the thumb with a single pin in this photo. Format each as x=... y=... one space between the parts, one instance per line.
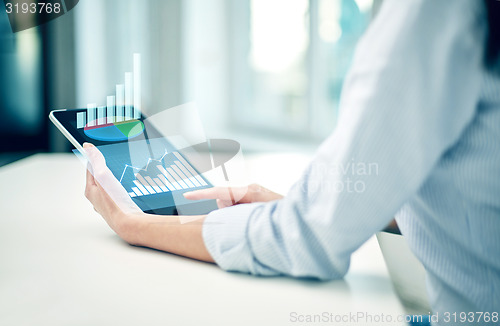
x=95 y=157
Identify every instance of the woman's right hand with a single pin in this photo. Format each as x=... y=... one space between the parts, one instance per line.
x=226 y=196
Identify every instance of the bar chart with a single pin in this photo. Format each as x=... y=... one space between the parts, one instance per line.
x=119 y=119
x=168 y=174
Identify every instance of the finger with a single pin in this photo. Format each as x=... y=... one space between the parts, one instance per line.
x=106 y=183
x=87 y=146
x=98 y=168
x=90 y=177
x=223 y=203
x=95 y=157
x=209 y=193
x=234 y=194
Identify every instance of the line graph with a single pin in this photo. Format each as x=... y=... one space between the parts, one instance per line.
x=155 y=174
x=141 y=169
x=169 y=173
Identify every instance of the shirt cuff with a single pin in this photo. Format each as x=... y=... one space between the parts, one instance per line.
x=225 y=236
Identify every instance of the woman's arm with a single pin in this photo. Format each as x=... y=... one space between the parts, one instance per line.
x=411 y=92
x=234 y=195
x=167 y=233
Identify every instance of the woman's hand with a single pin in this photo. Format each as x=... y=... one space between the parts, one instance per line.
x=97 y=173
x=167 y=233
x=233 y=196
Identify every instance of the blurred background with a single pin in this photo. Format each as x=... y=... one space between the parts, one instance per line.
x=267 y=73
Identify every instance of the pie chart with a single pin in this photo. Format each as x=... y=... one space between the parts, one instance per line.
x=116 y=131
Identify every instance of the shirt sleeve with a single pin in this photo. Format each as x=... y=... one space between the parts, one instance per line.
x=411 y=92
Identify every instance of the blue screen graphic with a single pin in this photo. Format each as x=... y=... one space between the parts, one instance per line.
x=153 y=172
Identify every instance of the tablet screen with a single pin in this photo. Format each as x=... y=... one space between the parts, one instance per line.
x=101 y=131
x=153 y=172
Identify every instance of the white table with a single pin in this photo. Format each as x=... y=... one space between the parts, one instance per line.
x=61 y=265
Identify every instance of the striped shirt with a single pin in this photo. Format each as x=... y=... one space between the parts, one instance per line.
x=418 y=138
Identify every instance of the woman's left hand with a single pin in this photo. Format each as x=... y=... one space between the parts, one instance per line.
x=97 y=173
x=167 y=233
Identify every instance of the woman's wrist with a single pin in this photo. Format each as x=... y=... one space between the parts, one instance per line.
x=127 y=226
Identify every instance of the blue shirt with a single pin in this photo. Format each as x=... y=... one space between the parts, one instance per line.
x=418 y=138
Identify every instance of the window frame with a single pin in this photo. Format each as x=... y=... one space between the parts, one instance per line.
x=317 y=108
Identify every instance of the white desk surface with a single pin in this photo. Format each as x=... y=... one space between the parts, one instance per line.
x=60 y=264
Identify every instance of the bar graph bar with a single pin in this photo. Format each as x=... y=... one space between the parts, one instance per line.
x=177 y=178
x=123 y=106
x=182 y=176
x=190 y=169
x=153 y=184
x=141 y=187
x=160 y=184
x=81 y=118
x=145 y=184
x=110 y=109
x=137 y=86
x=120 y=103
x=169 y=177
x=128 y=96
x=165 y=181
x=137 y=191
x=101 y=115
x=187 y=174
x=172 y=173
x=91 y=114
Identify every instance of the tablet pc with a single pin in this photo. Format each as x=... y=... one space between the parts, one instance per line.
x=154 y=173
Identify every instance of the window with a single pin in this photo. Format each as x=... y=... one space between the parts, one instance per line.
x=289 y=60
x=262 y=65
x=22 y=123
